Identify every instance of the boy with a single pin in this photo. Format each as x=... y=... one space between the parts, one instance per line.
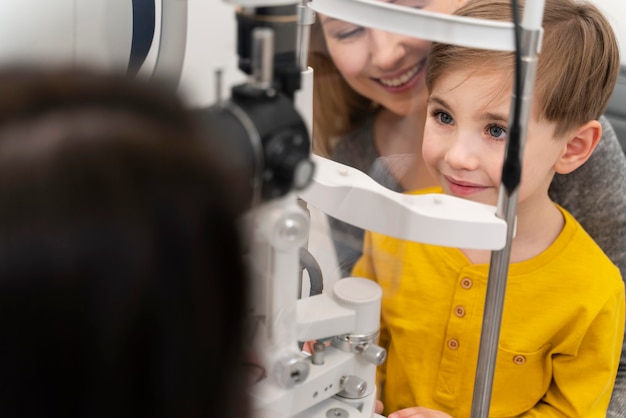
x=563 y=318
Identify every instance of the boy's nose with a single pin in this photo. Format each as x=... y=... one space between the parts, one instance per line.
x=387 y=50
x=462 y=153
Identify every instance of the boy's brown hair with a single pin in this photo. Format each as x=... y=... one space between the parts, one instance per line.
x=577 y=68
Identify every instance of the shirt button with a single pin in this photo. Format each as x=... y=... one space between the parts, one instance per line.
x=519 y=360
x=466 y=283
x=459 y=311
x=453 y=344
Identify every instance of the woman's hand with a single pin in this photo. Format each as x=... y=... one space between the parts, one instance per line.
x=418 y=412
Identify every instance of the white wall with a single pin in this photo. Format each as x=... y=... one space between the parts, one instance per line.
x=97 y=32
x=615 y=10
x=212 y=43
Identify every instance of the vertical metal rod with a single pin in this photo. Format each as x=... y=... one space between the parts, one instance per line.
x=262 y=57
x=507 y=209
x=219 y=83
x=494 y=303
x=306 y=17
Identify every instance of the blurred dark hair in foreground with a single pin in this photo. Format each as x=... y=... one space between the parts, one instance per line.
x=122 y=290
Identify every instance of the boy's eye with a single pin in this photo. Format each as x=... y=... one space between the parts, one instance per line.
x=496 y=131
x=443 y=118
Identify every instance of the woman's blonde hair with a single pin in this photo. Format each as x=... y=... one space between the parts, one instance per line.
x=337 y=108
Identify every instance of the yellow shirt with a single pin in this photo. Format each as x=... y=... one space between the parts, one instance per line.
x=560 y=340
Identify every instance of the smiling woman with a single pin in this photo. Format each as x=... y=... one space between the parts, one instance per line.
x=370 y=105
x=382 y=73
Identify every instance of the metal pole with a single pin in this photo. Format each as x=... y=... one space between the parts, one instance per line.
x=507 y=209
x=492 y=316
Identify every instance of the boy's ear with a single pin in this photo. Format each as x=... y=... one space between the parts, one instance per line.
x=580 y=145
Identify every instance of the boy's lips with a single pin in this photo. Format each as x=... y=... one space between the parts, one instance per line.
x=463 y=188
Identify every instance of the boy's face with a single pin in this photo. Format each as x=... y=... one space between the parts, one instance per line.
x=465 y=133
x=387 y=68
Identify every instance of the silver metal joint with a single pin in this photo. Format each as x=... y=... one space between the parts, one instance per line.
x=353 y=387
x=337 y=413
x=364 y=345
x=373 y=353
x=292 y=370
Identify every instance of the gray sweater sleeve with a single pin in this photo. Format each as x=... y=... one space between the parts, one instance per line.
x=596 y=195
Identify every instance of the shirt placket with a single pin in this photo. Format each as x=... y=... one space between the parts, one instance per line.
x=459 y=338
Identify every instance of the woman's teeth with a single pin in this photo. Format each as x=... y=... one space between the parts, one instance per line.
x=398 y=81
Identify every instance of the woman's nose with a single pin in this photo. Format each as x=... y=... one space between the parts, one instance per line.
x=387 y=50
